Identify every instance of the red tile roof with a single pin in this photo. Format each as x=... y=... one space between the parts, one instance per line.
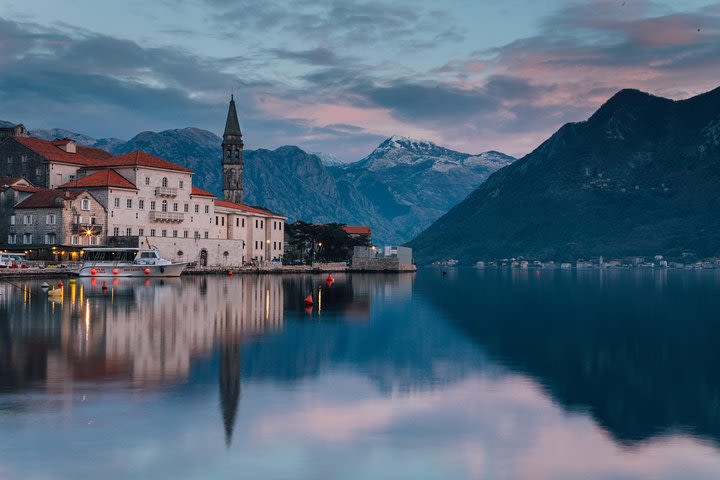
x=9 y=180
x=357 y=229
x=102 y=178
x=25 y=188
x=137 y=158
x=201 y=192
x=47 y=149
x=247 y=208
x=93 y=153
x=47 y=198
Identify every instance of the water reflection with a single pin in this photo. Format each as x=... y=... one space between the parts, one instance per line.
x=510 y=375
x=636 y=350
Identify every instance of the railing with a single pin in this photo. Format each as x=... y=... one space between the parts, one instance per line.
x=156 y=216
x=166 y=191
x=87 y=228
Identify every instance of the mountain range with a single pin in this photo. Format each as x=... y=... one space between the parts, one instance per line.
x=639 y=177
x=398 y=190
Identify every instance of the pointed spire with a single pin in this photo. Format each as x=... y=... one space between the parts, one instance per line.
x=232 y=125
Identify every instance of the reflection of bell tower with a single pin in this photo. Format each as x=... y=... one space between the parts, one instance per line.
x=229 y=386
x=232 y=157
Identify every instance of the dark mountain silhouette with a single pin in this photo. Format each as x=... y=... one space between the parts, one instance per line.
x=639 y=177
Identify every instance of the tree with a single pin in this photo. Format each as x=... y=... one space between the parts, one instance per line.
x=324 y=243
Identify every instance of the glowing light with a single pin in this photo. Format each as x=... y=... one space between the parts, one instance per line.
x=267 y=304
x=87 y=320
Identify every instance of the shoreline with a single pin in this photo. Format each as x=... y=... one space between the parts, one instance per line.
x=317 y=268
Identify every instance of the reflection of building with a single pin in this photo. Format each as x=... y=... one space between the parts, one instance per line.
x=230 y=364
x=148 y=333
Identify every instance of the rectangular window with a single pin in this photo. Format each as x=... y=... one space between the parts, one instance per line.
x=9 y=160
x=207 y=208
x=38 y=172
x=182 y=184
x=256 y=223
x=27 y=238
x=128 y=232
x=175 y=207
x=74 y=240
x=116 y=231
x=243 y=223
x=12 y=238
x=141 y=204
x=85 y=204
x=237 y=222
x=164 y=233
x=152 y=205
x=49 y=238
x=197 y=234
x=12 y=219
x=207 y=235
x=117 y=202
x=23 y=158
x=152 y=232
x=141 y=231
x=174 y=233
x=93 y=240
x=27 y=220
x=197 y=208
x=262 y=223
x=72 y=178
x=78 y=219
x=186 y=208
x=217 y=220
x=147 y=180
x=128 y=203
x=280 y=226
x=50 y=219
x=185 y=234
x=222 y=221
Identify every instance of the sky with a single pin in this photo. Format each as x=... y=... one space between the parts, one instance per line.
x=339 y=76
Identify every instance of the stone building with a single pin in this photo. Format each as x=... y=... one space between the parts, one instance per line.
x=57 y=218
x=142 y=201
x=46 y=163
x=12 y=191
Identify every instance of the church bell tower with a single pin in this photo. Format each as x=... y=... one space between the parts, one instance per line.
x=232 y=157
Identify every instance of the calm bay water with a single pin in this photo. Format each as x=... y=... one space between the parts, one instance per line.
x=477 y=374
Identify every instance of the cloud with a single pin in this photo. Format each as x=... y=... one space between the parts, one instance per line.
x=303 y=67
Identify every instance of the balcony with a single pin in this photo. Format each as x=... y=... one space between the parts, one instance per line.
x=166 y=191
x=93 y=229
x=156 y=216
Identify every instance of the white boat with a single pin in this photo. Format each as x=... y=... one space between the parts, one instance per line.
x=127 y=262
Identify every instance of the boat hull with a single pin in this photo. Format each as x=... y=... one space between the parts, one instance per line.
x=172 y=270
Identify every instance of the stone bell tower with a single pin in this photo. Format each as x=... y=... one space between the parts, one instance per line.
x=232 y=157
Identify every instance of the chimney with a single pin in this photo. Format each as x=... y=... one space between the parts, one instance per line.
x=66 y=145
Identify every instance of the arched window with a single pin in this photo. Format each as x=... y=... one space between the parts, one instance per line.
x=164 y=206
x=164 y=182
x=229 y=153
x=237 y=153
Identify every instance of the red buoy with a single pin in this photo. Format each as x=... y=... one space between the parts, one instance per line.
x=93 y=271
x=147 y=271
x=115 y=271
x=230 y=273
x=330 y=279
x=104 y=285
x=309 y=300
